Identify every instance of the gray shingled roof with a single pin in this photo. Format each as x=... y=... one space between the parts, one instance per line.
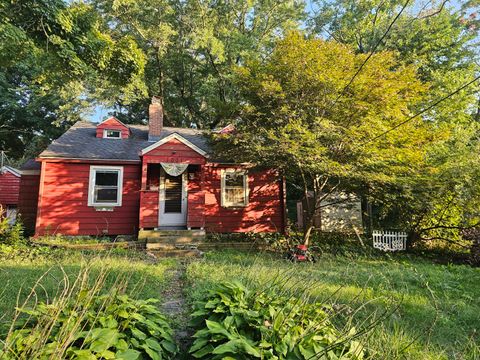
x=80 y=142
x=30 y=164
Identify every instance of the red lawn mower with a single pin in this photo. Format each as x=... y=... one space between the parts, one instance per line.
x=300 y=253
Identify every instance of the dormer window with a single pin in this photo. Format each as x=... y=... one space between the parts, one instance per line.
x=112 y=134
x=112 y=128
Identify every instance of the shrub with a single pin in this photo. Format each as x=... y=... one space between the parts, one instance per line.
x=10 y=234
x=111 y=326
x=248 y=237
x=235 y=323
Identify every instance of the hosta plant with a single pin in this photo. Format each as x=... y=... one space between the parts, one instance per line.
x=112 y=326
x=236 y=323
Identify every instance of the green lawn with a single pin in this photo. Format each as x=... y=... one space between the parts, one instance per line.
x=19 y=276
x=433 y=310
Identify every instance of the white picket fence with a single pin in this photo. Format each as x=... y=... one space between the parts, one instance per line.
x=389 y=240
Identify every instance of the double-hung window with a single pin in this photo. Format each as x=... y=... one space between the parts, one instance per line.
x=105 y=187
x=234 y=188
x=112 y=134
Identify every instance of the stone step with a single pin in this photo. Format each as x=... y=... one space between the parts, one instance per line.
x=175 y=253
x=174 y=239
x=169 y=246
x=170 y=234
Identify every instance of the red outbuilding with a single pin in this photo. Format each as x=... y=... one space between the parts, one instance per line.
x=117 y=179
x=9 y=191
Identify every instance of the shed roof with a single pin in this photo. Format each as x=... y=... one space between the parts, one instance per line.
x=30 y=164
x=11 y=170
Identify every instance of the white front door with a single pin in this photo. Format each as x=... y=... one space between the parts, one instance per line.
x=173 y=200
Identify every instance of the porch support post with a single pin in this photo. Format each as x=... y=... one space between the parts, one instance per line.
x=144 y=175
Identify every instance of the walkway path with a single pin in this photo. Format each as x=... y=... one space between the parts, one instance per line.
x=174 y=306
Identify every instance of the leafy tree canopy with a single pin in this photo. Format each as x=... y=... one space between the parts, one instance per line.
x=56 y=61
x=191 y=48
x=442 y=42
x=297 y=116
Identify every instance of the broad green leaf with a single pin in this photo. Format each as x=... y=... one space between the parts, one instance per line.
x=129 y=354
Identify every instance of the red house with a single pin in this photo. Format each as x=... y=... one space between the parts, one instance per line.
x=117 y=179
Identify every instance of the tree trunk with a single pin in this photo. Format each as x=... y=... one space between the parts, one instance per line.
x=307 y=233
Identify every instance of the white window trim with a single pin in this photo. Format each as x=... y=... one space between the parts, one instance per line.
x=245 y=188
x=109 y=137
x=91 y=186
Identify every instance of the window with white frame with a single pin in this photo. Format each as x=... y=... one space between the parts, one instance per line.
x=112 y=134
x=234 y=188
x=105 y=186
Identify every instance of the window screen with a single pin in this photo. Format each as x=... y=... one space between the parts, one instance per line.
x=234 y=188
x=106 y=186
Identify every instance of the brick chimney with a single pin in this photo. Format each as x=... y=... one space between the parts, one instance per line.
x=155 y=119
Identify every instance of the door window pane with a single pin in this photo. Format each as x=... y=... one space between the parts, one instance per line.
x=173 y=194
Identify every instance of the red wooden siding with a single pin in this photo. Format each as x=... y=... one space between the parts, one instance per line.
x=9 y=189
x=149 y=209
x=63 y=202
x=28 y=201
x=264 y=212
x=112 y=124
x=196 y=200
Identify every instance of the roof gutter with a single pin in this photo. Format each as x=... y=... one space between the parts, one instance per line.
x=83 y=160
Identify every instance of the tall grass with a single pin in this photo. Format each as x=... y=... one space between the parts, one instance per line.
x=48 y=323
x=433 y=309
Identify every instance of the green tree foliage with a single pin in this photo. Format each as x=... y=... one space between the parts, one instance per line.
x=298 y=118
x=191 y=47
x=443 y=42
x=440 y=40
x=56 y=60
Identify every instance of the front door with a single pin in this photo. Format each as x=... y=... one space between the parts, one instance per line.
x=173 y=200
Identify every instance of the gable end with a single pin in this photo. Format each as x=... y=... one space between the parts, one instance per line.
x=178 y=137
